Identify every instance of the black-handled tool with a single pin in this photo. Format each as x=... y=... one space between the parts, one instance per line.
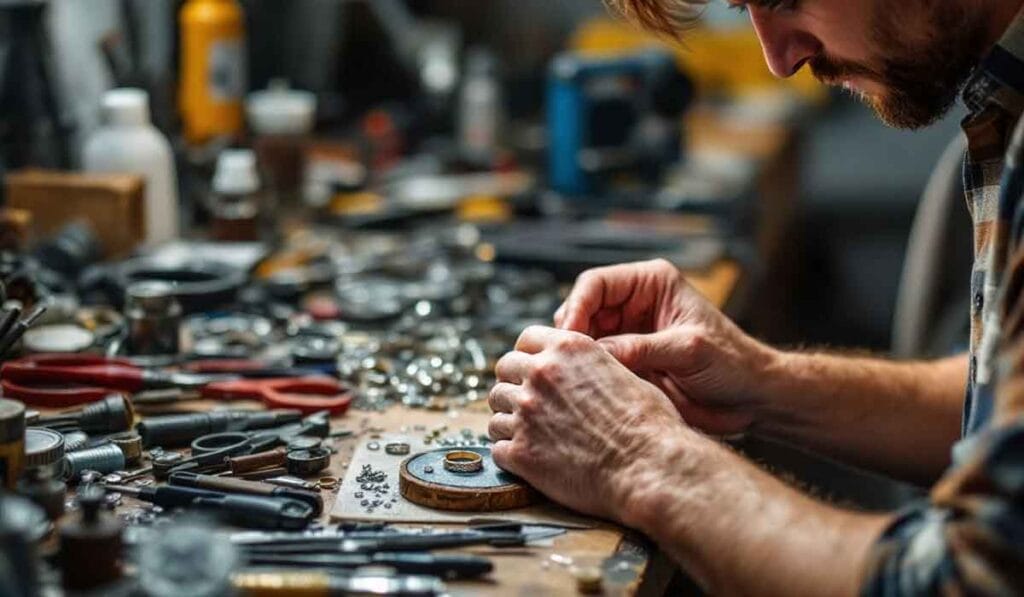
x=395 y=542
x=448 y=566
x=18 y=329
x=243 y=510
x=178 y=430
x=234 y=485
x=110 y=415
x=10 y=317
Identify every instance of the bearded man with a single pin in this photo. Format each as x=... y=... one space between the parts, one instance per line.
x=611 y=410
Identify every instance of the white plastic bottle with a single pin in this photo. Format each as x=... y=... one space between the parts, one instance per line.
x=128 y=142
x=481 y=113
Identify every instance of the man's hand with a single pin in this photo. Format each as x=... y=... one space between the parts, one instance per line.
x=657 y=325
x=575 y=423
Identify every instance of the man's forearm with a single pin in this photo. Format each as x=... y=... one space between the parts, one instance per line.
x=739 y=531
x=898 y=418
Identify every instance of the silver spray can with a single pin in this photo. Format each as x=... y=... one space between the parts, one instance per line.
x=153 y=314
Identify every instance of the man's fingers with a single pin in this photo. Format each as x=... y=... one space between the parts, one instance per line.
x=607 y=322
x=502 y=426
x=503 y=397
x=660 y=350
x=501 y=451
x=629 y=288
x=513 y=367
x=536 y=338
x=593 y=290
x=559 y=316
x=632 y=350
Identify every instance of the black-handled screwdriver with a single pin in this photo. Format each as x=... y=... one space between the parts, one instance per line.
x=449 y=566
x=242 y=510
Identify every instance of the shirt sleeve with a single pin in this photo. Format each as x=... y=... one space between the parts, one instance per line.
x=967 y=538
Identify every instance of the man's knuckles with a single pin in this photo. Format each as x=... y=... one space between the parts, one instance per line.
x=546 y=372
x=693 y=344
x=572 y=343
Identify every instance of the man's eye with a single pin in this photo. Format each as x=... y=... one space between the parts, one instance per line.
x=774 y=5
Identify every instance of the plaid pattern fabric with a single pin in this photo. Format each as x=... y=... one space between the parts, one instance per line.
x=967 y=538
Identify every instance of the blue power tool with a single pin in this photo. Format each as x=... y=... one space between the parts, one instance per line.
x=611 y=114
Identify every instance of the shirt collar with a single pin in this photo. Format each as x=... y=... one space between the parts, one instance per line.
x=999 y=78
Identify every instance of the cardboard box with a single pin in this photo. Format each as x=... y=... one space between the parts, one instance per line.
x=113 y=204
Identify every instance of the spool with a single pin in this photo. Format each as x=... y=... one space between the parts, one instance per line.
x=424 y=480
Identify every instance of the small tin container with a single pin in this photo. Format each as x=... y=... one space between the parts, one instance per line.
x=44 y=449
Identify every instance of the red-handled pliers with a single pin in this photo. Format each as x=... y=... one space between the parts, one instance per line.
x=307 y=394
x=61 y=380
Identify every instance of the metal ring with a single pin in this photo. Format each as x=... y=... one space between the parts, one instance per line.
x=463 y=461
x=130 y=443
x=303 y=463
x=212 y=442
x=397 y=448
x=327 y=483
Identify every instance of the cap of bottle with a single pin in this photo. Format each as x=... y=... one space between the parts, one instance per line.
x=236 y=172
x=126 y=106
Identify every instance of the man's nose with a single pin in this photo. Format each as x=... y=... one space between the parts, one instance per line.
x=786 y=47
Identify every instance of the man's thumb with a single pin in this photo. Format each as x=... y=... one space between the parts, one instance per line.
x=639 y=351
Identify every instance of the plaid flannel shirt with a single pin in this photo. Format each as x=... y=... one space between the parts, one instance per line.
x=967 y=538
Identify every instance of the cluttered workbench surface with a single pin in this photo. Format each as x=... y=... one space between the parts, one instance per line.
x=335 y=462
x=355 y=487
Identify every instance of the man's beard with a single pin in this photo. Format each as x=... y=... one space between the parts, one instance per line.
x=921 y=80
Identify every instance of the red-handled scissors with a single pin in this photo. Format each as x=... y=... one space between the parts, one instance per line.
x=61 y=380
x=307 y=394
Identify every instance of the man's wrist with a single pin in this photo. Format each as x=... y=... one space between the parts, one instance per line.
x=776 y=372
x=644 y=496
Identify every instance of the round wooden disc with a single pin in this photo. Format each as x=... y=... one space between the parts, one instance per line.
x=489 y=489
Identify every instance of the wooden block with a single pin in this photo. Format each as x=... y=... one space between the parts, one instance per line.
x=112 y=204
x=348 y=506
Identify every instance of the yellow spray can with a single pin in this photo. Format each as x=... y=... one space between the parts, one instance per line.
x=213 y=69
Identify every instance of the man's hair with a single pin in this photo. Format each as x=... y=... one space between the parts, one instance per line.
x=665 y=17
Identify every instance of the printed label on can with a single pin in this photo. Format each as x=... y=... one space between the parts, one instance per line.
x=227 y=70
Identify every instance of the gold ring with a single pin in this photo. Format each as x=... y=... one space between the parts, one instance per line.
x=327 y=483
x=463 y=461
